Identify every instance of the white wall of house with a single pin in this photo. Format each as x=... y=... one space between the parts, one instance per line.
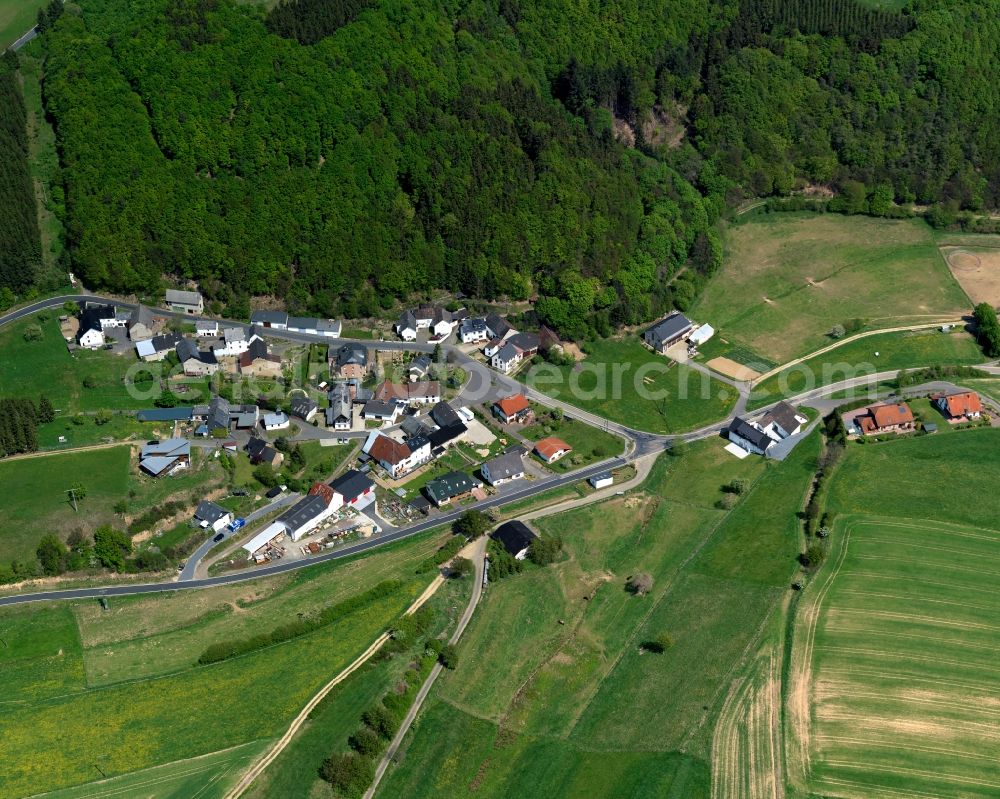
x=92 y=339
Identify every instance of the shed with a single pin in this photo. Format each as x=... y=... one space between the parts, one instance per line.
x=602 y=480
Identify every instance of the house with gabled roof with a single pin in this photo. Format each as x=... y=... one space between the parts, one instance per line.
x=304 y=408
x=396 y=457
x=142 y=324
x=189 y=302
x=208 y=514
x=258 y=362
x=749 y=436
x=959 y=405
x=158 y=347
x=449 y=487
x=278 y=320
x=349 y=361
x=159 y=458
x=514 y=408
x=340 y=413
x=516 y=537
x=196 y=362
x=504 y=468
x=887 y=417
x=356 y=490
x=668 y=331
x=782 y=421
x=514 y=350
x=552 y=449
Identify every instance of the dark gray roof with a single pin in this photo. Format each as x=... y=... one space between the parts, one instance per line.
x=186 y=351
x=351 y=484
x=524 y=341
x=90 y=318
x=497 y=325
x=514 y=535
x=505 y=466
x=220 y=413
x=141 y=315
x=670 y=327
x=416 y=442
x=183 y=297
x=422 y=361
x=379 y=408
x=784 y=414
x=303 y=511
x=508 y=352
x=303 y=406
x=413 y=426
x=747 y=431
x=210 y=512
x=165 y=414
x=443 y=435
x=352 y=353
x=268 y=318
x=255 y=446
x=447 y=486
x=473 y=326
x=167 y=341
x=443 y=414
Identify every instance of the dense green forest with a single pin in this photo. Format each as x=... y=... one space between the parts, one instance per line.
x=20 y=244
x=344 y=154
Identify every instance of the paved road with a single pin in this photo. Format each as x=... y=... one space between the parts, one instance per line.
x=477 y=552
x=188 y=573
x=24 y=39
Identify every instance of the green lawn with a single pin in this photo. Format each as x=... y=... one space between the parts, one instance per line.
x=82 y=430
x=623 y=381
x=533 y=696
x=789 y=278
x=17 y=17
x=589 y=443
x=858 y=358
x=897 y=654
x=120 y=688
x=29 y=369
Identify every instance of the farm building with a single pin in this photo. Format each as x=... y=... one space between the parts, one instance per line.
x=355 y=489
x=668 y=331
x=189 y=302
x=516 y=538
x=277 y=320
x=160 y=458
x=701 y=335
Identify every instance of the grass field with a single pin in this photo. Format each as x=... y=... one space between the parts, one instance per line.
x=534 y=700
x=120 y=688
x=623 y=381
x=898 y=663
x=858 y=358
x=589 y=444
x=17 y=17
x=788 y=279
x=47 y=367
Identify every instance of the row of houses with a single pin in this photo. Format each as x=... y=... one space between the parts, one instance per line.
x=420 y=442
x=439 y=322
x=897 y=417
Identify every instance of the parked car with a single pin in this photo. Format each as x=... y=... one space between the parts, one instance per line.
x=219 y=537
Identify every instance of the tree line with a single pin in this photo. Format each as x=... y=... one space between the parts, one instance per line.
x=20 y=241
x=19 y=420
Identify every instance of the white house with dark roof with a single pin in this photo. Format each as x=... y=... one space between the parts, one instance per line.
x=158 y=458
x=749 y=436
x=196 y=362
x=668 y=331
x=504 y=468
x=208 y=514
x=782 y=421
x=157 y=347
x=473 y=331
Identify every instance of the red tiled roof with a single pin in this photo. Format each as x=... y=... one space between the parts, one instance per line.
x=388 y=450
x=322 y=490
x=891 y=414
x=964 y=403
x=548 y=447
x=513 y=405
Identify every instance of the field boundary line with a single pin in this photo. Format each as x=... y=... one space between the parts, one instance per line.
x=247 y=780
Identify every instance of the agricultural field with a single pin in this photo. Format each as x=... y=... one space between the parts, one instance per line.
x=788 y=279
x=47 y=367
x=622 y=381
x=131 y=671
x=859 y=358
x=554 y=686
x=896 y=681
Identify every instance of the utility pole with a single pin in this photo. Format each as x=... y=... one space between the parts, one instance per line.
x=72 y=498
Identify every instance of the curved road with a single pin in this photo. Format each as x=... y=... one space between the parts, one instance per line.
x=483 y=384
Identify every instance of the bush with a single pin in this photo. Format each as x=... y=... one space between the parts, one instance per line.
x=471 y=524
x=443 y=555
x=738 y=486
x=365 y=742
x=813 y=556
x=448 y=656
x=502 y=563
x=727 y=501
x=640 y=584
x=381 y=721
x=349 y=773
x=658 y=645
x=51 y=554
x=461 y=567
x=545 y=550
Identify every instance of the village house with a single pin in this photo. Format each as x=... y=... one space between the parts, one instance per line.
x=278 y=320
x=236 y=341
x=782 y=421
x=959 y=406
x=262 y=452
x=552 y=449
x=275 y=421
x=350 y=362
x=93 y=322
x=449 y=487
x=473 y=331
x=220 y=414
x=516 y=538
x=514 y=350
x=196 y=362
x=340 y=413
x=257 y=362
x=504 y=468
x=423 y=393
x=142 y=324
x=159 y=458
x=304 y=408
x=210 y=515
x=158 y=347
x=438 y=321
x=514 y=408
x=498 y=328
x=419 y=367
x=396 y=457
x=888 y=417
x=380 y=411
x=668 y=331
x=749 y=436
x=206 y=328
x=189 y=302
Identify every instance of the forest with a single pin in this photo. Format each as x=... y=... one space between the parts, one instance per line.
x=343 y=155
x=20 y=244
